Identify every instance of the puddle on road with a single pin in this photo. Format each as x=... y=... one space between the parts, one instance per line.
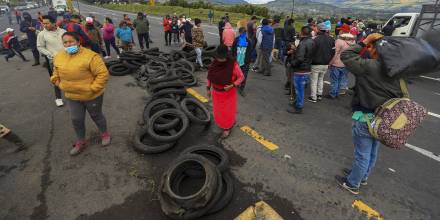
x=144 y=204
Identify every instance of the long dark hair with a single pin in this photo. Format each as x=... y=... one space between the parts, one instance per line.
x=109 y=20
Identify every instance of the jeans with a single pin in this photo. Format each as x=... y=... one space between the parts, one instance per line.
x=78 y=115
x=141 y=38
x=245 y=70
x=12 y=52
x=199 y=56
x=280 y=46
x=300 y=81
x=113 y=44
x=50 y=71
x=337 y=75
x=18 y=19
x=365 y=153
x=317 y=80
x=35 y=53
x=266 y=61
x=257 y=64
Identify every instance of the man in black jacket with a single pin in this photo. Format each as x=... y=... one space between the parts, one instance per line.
x=301 y=66
x=30 y=26
x=323 y=52
x=242 y=51
x=373 y=88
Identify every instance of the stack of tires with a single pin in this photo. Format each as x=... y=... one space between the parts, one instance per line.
x=204 y=170
x=208 y=54
x=165 y=121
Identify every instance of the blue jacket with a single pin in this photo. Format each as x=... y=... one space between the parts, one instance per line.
x=268 y=36
x=125 y=34
x=26 y=24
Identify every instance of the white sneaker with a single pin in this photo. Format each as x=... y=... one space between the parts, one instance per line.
x=59 y=102
x=107 y=57
x=117 y=56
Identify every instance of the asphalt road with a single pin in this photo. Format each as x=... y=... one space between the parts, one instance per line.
x=297 y=180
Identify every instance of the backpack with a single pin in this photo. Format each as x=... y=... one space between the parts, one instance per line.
x=396 y=120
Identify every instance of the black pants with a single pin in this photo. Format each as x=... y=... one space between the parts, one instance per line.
x=168 y=38
x=35 y=53
x=113 y=44
x=50 y=71
x=220 y=33
x=18 y=19
x=12 y=52
x=188 y=38
x=142 y=37
x=176 y=37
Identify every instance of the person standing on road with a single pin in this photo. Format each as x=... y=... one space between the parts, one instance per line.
x=125 y=36
x=289 y=32
x=95 y=36
x=8 y=14
x=323 y=52
x=242 y=51
x=50 y=43
x=224 y=76
x=175 y=31
x=279 y=39
x=82 y=75
x=338 y=73
x=267 y=43
x=71 y=26
x=373 y=88
x=11 y=43
x=257 y=64
x=142 y=26
x=301 y=68
x=210 y=16
x=166 y=23
x=251 y=29
x=30 y=27
x=108 y=34
x=228 y=35
x=18 y=16
x=198 y=39
x=221 y=27
x=187 y=31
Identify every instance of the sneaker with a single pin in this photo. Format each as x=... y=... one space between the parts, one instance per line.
x=342 y=181
x=105 y=139
x=107 y=57
x=347 y=172
x=319 y=97
x=330 y=97
x=117 y=56
x=78 y=147
x=59 y=102
x=310 y=99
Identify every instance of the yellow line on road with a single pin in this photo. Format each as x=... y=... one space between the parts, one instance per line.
x=197 y=95
x=362 y=207
x=249 y=131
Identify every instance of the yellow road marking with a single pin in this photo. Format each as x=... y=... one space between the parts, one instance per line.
x=362 y=207
x=197 y=95
x=249 y=131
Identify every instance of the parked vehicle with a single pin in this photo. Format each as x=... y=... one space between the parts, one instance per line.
x=415 y=24
x=60 y=6
x=4 y=9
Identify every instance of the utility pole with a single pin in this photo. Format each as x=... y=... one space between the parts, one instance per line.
x=293 y=8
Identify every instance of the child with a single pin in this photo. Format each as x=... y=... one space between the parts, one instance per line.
x=125 y=35
x=11 y=43
x=242 y=51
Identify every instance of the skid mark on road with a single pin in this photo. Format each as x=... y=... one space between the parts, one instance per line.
x=424 y=152
x=266 y=143
x=197 y=95
x=362 y=207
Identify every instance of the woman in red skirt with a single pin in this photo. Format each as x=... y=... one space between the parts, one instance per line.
x=224 y=76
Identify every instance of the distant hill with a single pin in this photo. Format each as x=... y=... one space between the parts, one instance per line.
x=391 y=5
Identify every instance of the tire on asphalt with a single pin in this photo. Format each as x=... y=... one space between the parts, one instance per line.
x=156 y=105
x=119 y=70
x=165 y=85
x=213 y=153
x=152 y=147
x=192 y=115
x=187 y=64
x=176 y=94
x=180 y=129
x=227 y=193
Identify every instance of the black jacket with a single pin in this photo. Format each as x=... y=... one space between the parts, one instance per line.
x=302 y=61
x=373 y=87
x=249 y=48
x=323 y=49
x=289 y=33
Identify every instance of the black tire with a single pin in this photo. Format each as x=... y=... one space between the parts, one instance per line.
x=148 y=148
x=119 y=70
x=153 y=49
x=227 y=193
x=213 y=153
x=176 y=94
x=172 y=202
x=177 y=55
x=165 y=85
x=138 y=62
x=130 y=65
x=156 y=105
x=187 y=64
x=207 y=61
x=181 y=129
x=159 y=78
x=192 y=115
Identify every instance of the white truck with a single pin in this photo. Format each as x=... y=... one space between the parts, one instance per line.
x=60 y=6
x=415 y=24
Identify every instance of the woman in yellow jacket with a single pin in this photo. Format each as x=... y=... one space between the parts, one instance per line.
x=82 y=75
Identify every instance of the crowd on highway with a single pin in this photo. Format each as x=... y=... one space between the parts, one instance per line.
x=74 y=54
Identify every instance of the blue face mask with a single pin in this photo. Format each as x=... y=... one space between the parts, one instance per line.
x=71 y=49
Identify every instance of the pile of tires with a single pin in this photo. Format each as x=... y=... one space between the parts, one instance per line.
x=166 y=119
x=203 y=169
x=208 y=54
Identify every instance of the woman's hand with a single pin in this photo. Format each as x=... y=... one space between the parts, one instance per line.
x=57 y=83
x=229 y=87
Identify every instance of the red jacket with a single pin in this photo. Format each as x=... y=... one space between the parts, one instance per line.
x=166 y=25
x=6 y=41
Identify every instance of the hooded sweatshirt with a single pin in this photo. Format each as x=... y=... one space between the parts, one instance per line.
x=26 y=24
x=228 y=35
x=268 y=37
x=108 y=31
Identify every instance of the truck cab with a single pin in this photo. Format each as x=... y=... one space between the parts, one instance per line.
x=403 y=24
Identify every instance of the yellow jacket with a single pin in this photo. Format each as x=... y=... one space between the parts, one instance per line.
x=82 y=75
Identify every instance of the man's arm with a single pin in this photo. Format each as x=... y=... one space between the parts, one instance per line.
x=41 y=46
x=354 y=62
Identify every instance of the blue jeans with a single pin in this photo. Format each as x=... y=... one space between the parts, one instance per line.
x=280 y=45
x=338 y=77
x=245 y=70
x=365 y=153
x=300 y=84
